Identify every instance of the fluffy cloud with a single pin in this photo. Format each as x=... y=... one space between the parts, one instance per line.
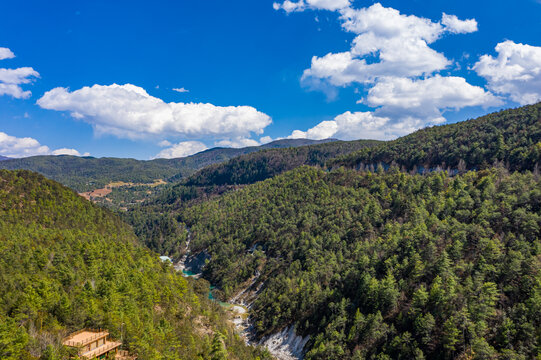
x=238 y=142
x=388 y=22
x=12 y=146
x=11 y=79
x=265 y=140
x=182 y=149
x=350 y=126
x=14 y=90
x=128 y=111
x=301 y=5
x=66 y=151
x=392 y=58
x=403 y=106
x=15 y=147
x=187 y=148
x=388 y=43
x=456 y=26
x=181 y=90
x=323 y=130
x=17 y=76
x=6 y=53
x=164 y=143
x=516 y=71
x=424 y=99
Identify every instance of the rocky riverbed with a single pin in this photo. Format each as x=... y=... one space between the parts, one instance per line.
x=284 y=345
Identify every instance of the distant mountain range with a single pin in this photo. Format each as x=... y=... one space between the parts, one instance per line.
x=4 y=158
x=89 y=173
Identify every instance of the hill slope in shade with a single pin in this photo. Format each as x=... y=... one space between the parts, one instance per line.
x=512 y=137
x=67 y=264
x=88 y=173
x=386 y=265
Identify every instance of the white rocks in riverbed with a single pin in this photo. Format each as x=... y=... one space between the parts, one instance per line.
x=239 y=309
x=285 y=345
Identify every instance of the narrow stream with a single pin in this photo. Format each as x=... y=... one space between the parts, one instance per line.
x=285 y=345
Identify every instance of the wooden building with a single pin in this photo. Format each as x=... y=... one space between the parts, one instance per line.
x=94 y=344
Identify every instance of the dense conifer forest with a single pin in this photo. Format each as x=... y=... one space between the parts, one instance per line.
x=66 y=264
x=424 y=247
x=395 y=258
x=386 y=264
x=511 y=137
x=155 y=221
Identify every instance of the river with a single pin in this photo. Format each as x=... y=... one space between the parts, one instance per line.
x=284 y=345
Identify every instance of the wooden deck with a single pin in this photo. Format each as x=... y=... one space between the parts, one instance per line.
x=103 y=349
x=84 y=337
x=93 y=343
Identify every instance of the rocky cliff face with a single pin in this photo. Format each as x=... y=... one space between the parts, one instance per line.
x=286 y=345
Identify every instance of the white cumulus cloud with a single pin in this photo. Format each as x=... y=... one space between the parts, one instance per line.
x=17 y=76
x=403 y=106
x=14 y=91
x=15 y=147
x=515 y=72
x=388 y=43
x=164 y=143
x=181 y=90
x=238 y=142
x=128 y=111
x=66 y=151
x=12 y=146
x=11 y=79
x=6 y=53
x=351 y=126
x=392 y=59
x=182 y=149
x=265 y=140
x=424 y=99
x=455 y=25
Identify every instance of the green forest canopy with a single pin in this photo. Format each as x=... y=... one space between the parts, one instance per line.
x=511 y=137
x=67 y=264
x=384 y=265
x=155 y=221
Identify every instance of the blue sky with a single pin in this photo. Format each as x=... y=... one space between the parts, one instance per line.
x=253 y=71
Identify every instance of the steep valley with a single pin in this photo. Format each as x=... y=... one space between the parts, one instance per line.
x=370 y=262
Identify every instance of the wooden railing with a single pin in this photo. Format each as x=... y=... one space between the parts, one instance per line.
x=101 y=350
x=99 y=334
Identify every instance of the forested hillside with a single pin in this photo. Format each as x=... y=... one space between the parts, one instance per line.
x=66 y=264
x=254 y=167
x=155 y=220
x=512 y=137
x=262 y=165
x=384 y=265
x=89 y=173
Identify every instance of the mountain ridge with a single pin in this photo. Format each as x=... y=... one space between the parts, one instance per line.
x=90 y=173
x=511 y=137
